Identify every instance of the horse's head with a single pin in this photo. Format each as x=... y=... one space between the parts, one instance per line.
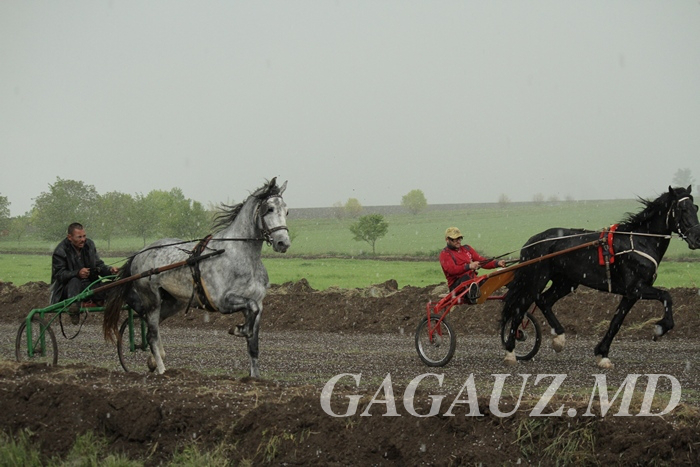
x=272 y=217
x=683 y=216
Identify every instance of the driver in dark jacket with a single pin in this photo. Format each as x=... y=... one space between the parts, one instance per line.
x=75 y=265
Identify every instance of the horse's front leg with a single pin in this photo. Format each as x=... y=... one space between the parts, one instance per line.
x=250 y=328
x=253 y=346
x=603 y=348
x=250 y=309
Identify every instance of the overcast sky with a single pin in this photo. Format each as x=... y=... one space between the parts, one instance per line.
x=465 y=100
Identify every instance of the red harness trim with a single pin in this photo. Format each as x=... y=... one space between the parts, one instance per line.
x=609 y=246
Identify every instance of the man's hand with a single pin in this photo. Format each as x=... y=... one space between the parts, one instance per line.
x=84 y=273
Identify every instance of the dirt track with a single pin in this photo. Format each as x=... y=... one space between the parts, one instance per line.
x=307 y=338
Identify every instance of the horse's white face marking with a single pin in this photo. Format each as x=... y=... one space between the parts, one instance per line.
x=274 y=216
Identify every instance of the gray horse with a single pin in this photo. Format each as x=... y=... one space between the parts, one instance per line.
x=235 y=280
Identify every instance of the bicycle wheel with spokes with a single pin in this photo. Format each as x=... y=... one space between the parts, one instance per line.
x=130 y=347
x=528 y=337
x=43 y=341
x=438 y=349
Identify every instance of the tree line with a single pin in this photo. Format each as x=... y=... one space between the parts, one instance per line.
x=114 y=214
x=159 y=213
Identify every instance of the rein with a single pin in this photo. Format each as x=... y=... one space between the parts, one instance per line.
x=265 y=230
x=607 y=234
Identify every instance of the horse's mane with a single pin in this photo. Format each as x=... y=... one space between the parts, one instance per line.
x=653 y=208
x=228 y=213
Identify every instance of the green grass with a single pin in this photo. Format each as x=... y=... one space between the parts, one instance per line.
x=493 y=229
x=328 y=272
x=88 y=450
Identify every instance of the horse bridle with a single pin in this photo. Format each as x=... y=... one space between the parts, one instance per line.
x=672 y=214
x=264 y=229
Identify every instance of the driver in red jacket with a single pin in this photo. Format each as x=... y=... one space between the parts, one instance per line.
x=460 y=262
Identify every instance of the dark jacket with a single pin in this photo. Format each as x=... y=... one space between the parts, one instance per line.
x=67 y=262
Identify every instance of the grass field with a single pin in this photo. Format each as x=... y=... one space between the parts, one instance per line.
x=333 y=272
x=493 y=229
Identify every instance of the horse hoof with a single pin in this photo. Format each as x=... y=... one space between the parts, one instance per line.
x=237 y=331
x=658 y=331
x=605 y=363
x=152 y=363
x=510 y=358
x=559 y=342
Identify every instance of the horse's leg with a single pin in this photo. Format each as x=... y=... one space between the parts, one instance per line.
x=253 y=346
x=169 y=306
x=665 y=324
x=546 y=301
x=252 y=311
x=521 y=295
x=510 y=358
x=155 y=360
x=602 y=349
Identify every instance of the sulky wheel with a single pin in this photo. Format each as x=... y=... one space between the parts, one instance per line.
x=45 y=348
x=132 y=358
x=439 y=350
x=528 y=337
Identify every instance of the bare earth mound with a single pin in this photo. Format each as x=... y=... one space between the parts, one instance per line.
x=309 y=336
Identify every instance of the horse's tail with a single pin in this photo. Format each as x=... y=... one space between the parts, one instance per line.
x=521 y=293
x=115 y=301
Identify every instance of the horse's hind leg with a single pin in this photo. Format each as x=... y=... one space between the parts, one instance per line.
x=546 y=301
x=665 y=324
x=519 y=298
x=155 y=360
x=603 y=348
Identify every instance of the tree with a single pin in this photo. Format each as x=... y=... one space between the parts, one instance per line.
x=4 y=214
x=414 y=201
x=112 y=212
x=19 y=227
x=175 y=215
x=683 y=177
x=67 y=201
x=353 y=208
x=182 y=217
x=369 y=229
x=338 y=210
x=142 y=220
x=196 y=220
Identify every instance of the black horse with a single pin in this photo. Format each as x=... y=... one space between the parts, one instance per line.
x=622 y=260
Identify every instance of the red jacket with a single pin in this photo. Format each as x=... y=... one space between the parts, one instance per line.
x=455 y=263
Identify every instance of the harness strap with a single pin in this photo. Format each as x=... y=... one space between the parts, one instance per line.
x=605 y=249
x=640 y=253
x=201 y=291
x=606 y=255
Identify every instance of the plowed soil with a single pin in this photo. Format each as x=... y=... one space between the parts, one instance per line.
x=205 y=399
